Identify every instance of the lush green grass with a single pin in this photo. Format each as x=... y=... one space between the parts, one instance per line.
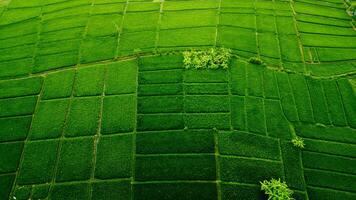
x=95 y=101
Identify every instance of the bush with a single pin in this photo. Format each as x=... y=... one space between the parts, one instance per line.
x=213 y=58
x=298 y=142
x=276 y=190
x=255 y=60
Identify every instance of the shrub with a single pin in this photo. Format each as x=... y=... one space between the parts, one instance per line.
x=213 y=58
x=255 y=60
x=276 y=190
x=298 y=142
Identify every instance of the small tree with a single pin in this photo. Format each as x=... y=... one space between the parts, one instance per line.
x=276 y=190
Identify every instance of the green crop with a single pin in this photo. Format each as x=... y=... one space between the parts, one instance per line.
x=276 y=190
x=213 y=58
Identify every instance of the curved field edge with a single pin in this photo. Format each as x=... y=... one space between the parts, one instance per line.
x=299 y=36
x=147 y=124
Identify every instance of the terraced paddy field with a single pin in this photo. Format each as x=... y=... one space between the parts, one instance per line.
x=95 y=101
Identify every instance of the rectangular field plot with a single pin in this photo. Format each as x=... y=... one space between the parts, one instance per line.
x=121 y=77
x=238 y=20
x=181 y=19
x=237 y=38
x=175 y=167
x=244 y=170
x=140 y=22
x=165 y=142
x=187 y=37
x=160 y=104
x=191 y=190
x=136 y=42
x=119 y=114
x=238 y=143
x=202 y=104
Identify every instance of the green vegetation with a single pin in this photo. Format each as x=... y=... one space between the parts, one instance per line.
x=213 y=58
x=276 y=190
x=255 y=60
x=298 y=142
x=146 y=100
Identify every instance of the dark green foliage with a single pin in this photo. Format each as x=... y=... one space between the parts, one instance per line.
x=277 y=124
x=238 y=82
x=238 y=116
x=206 y=88
x=77 y=124
x=318 y=101
x=160 y=104
x=276 y=190
x=334 y=103
x=206 y=104
x=119 y=113
x=17 y=106
x=254 y=80
x=14 y=128
x=335 y=148
x=22 y=192
x=292 y=165
x=174 y=191
x=219 y=121
x=147 y=122
x=211 y=58
x=255 y=115
x=287 y=97
x=75 y=160
x=349 y=98
x=338 y=134
x=237 y=191
x=40 y=191
x=329 y=162
x=89 y=81
x=118 y=190
x=160 y=89
x=10 y=156
x=270 y=84
x=244 y=170
x=49 y=119
x=114 y=157
x=70 y=191
x=41 y=171
x=6 y=182
x=240 y=144
x=255 y=60
x=171 y=142
x=58 y=85
x=175 y=167
x=317 y=193
x=329 y=179
x=22 y=87
x=302 y=98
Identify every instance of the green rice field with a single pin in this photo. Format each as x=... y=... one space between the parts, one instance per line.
x=96 y=102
